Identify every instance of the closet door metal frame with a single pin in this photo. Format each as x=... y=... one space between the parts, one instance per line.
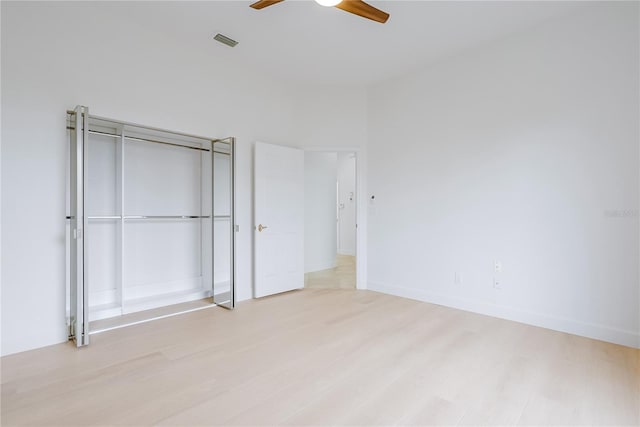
x=79 y=278
x=79 y=299
x=231 y=141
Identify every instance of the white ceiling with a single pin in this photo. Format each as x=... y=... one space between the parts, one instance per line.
x=303 y=42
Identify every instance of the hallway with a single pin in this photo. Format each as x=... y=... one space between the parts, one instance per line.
x=342 y=276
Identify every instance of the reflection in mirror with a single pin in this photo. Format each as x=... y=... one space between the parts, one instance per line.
x=223 y=266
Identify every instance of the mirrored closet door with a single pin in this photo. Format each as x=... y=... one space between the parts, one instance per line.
x=151 y=223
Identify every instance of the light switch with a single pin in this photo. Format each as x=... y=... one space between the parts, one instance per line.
x=497 y=267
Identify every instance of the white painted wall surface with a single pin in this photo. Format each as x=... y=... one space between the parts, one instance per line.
x=347 y=203
x=320 y=226
x=330 y=118
x=523 y=151
x=55 y=56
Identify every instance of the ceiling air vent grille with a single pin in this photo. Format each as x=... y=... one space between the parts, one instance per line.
x=225 y=40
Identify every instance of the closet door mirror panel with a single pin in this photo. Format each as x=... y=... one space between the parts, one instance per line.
x=222 y=184
x=222 y=259
x=223 y=226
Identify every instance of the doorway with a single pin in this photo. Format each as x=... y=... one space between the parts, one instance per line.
x=330 y=220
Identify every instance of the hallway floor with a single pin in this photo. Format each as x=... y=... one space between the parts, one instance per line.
x=342 y=276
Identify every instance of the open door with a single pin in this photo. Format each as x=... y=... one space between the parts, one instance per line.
x=279 y=219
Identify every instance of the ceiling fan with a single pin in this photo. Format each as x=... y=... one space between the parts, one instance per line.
x=357 y=7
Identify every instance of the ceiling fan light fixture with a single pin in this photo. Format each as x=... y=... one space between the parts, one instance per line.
x=328 y=3
x=357 y=7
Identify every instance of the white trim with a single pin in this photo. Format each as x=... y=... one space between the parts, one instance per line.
x=571 y=326
x=346 y=252
x=361 y=212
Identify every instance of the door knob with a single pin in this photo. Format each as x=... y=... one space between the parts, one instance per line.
x=261 y=227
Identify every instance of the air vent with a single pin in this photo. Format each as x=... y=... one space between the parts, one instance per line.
x=225 y=40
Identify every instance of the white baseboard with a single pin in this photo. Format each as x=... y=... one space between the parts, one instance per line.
x=350 y=252
x=575 y=327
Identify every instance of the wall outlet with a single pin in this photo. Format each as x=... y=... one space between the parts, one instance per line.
x=458 y=278
x=497 y=267
x=497 y=283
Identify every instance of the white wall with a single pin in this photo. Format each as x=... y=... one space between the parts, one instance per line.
x=330 y=118
x=320 y=232
x=55 y=56
x=523 y=151
x=347 y=203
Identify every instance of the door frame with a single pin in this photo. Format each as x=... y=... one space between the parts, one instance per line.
x=361 y=209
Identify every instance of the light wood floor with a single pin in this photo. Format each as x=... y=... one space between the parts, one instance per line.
x=325 y=356
x=342 y=276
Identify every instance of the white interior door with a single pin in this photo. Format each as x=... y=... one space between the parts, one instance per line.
x=279 y=219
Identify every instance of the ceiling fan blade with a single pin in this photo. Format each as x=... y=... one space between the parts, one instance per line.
x=360 y=8
x=261 y=4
